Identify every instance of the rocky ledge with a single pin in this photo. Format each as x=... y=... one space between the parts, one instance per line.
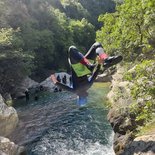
x=143 y=145
x=8 y=118
x=8 y=122
x=123 y=122
x=9 y=148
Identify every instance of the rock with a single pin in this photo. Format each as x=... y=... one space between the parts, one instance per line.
x=106 y=76
x=121 y=121
x=143 y=145
x=124 y=121
x=8 y=118
x=25 y=84
x=9 y=148
x=8 y=122
x=49 y=85
x=103 y=78
x=29 y=83
x=119 y=117
x=121 y=141
x=119 y=96
x=8 y=99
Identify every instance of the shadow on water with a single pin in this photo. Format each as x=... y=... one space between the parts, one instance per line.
x=55 y=125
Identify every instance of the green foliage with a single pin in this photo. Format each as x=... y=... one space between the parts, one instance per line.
x=14 y=63
x=6 y=36
x=143 y=90
x=129 y=30
x=144 y=113
x=74 y=9
x=83 y=33
x=148 y=128
x=95 y=8
x=3 y=13
x=35 y=36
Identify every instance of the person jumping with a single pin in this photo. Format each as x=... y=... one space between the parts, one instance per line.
x=85 y=68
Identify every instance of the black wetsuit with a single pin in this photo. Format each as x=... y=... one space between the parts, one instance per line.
x=80 y=85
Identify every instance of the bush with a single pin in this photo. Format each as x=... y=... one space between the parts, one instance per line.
x=143 y=89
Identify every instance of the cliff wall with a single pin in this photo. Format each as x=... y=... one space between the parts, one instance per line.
x=124 y=123
x=8 y=122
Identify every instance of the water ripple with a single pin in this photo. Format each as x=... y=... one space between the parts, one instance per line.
x=56 y=126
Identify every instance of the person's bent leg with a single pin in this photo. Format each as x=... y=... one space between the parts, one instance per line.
x=74 y=55
x=77 y=57
x=96 y=50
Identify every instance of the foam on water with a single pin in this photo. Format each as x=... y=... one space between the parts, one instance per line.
x=69 y=146
x=55 y=125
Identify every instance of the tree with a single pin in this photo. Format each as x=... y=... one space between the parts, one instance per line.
x=126 y=31
x=95 y=8
x=42 y=31
x=83 y=33
x=74 y=9
x=14 y=64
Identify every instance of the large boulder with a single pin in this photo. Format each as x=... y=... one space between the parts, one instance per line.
x=8 y=118
x=9 y=148
x=119 y=117
x=104 y=78
x=25 y=84
x=123 y=121
x=49 y=85
x=143 y=145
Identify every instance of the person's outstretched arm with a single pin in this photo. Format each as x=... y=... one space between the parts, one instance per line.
x=96 y=70
x=95 y=73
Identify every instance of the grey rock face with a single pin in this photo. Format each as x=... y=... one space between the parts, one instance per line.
x=9 y=148
x=8 y=122
x=144 y=145
x=8 y=118
x=26 y=83
x=49 y=85
x=123 y=122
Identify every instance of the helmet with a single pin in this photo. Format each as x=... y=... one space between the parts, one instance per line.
x=72 y=48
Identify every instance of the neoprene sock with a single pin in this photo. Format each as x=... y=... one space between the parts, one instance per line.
x=85 y=61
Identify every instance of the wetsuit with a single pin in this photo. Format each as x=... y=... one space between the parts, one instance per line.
x=84 y=71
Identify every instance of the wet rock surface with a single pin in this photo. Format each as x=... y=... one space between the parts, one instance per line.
x=9 y=148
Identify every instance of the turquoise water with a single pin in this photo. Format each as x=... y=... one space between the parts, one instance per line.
x=55 y=125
